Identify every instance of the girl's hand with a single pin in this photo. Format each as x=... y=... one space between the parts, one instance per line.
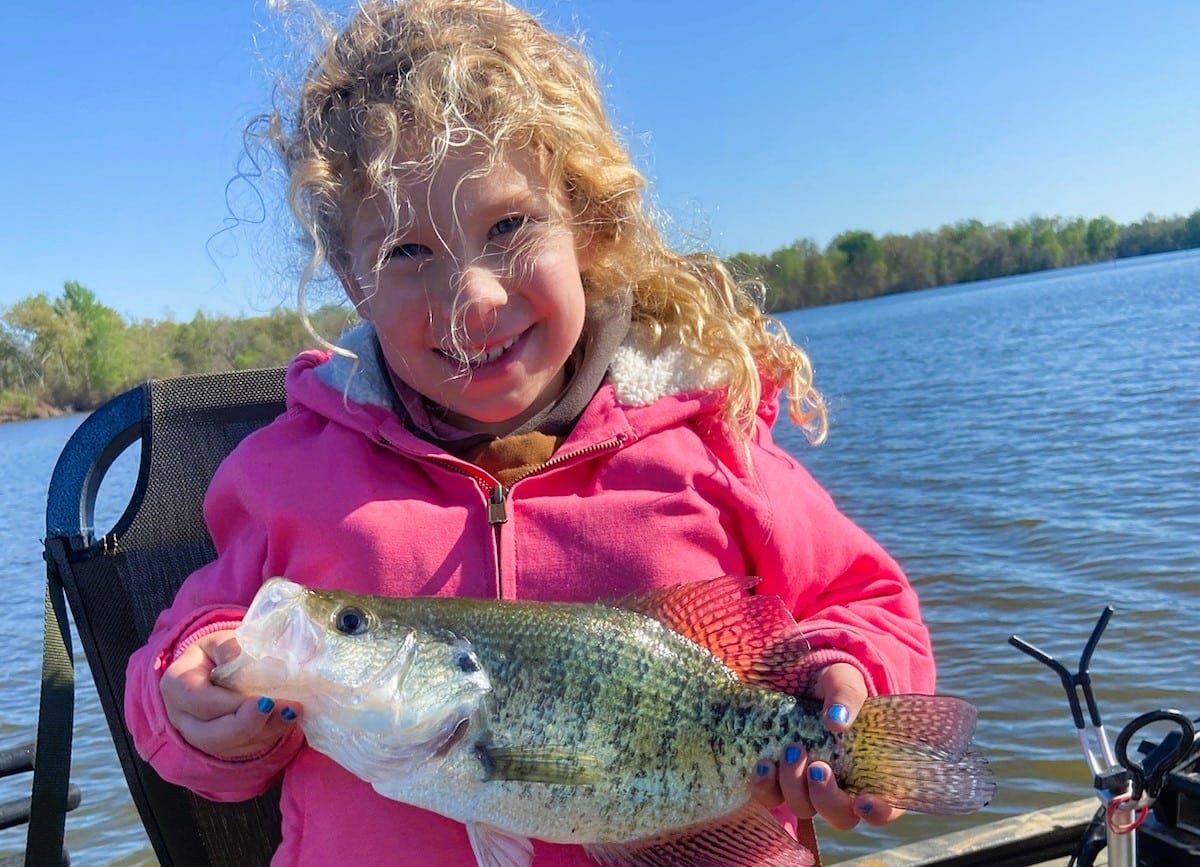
x=216 y=720
x=808 y=788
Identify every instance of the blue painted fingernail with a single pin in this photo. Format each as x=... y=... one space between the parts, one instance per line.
x=762 y=769
x=839 y=713
x=816 y=774
x=791 y=755
x=287 y=714
x=265 y=704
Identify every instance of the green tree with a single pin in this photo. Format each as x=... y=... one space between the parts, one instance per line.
x=865 y=271
x=205 y=344
x=104 y=348
x=911 y=263
x=951 y=252
x=1152 y=235
x=1101 y=238
x=1047 y=250
x=1191 y=230
x=55 y=341
x=784 y=275
x=1072 y=238
x=1020 y=248
x=16 y=360
x=747 y=266
x=987 y=248
x=155 y=357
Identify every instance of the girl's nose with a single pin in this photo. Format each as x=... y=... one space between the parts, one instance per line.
x=479 y=294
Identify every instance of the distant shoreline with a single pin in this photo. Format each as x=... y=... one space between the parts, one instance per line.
x=68 y=376
x=40 y=410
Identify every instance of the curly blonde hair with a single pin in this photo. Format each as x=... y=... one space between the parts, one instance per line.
x=445 y=72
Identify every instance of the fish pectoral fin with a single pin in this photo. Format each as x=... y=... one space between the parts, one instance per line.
x=748 y=837
x=496 y=848
x=556 y=765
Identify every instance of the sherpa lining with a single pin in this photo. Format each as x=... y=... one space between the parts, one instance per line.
x=641 y=376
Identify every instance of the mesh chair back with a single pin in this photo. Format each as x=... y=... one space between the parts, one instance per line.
x=117 y=584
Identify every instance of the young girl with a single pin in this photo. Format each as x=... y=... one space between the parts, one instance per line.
x=543 y=401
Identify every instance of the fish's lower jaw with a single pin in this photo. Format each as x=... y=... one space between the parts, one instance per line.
x=370 y=745
x=456 y=737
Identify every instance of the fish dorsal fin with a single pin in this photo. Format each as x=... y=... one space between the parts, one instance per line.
x=557 y=765
x=496 y=848
x=756 y=636
x=749 y=837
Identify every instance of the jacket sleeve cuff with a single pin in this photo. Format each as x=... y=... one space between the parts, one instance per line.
x=219 y=779
x=823 y=657
x=184 y=642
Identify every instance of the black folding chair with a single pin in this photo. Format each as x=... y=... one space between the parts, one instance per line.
x=116 y=586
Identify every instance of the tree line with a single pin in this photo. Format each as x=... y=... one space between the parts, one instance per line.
x=857 y=264
x=71 y=353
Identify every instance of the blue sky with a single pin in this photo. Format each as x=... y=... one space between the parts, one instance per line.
x=758 y=122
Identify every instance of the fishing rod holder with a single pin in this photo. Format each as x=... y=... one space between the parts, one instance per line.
x=1108 y=775
x=1127 y=788
x=1113 y=782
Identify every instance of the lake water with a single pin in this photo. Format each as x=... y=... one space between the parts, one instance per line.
x=1028 y=448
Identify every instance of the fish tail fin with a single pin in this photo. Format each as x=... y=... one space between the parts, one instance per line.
x=915 y=752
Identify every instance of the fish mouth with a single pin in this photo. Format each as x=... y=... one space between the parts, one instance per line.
x=276 y=638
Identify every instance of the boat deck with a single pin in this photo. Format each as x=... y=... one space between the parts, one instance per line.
x=1044 y=838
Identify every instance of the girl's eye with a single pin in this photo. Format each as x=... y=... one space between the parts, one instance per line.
x=351 y=621
x=407 y=251
x=506 y=226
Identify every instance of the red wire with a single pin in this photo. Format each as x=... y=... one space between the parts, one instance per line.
x=1129 y=827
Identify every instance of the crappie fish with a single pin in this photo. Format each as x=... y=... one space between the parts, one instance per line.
x=632 y=729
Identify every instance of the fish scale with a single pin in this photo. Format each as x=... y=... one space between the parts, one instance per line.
x=640 y=684
x=631 y=729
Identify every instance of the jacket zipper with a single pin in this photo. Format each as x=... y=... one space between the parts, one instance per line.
x=497 y=494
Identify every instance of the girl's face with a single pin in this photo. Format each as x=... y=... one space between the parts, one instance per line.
x=477 y=297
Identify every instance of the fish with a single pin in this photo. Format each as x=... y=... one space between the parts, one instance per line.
x=632 y=728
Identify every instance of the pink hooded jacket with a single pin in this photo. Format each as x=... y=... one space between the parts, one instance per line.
x=648 y=490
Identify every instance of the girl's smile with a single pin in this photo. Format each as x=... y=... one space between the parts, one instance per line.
x=480 y=357
x=472 y=279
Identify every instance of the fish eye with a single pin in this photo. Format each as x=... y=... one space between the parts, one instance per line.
x=466 y=661
x=351 y=621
